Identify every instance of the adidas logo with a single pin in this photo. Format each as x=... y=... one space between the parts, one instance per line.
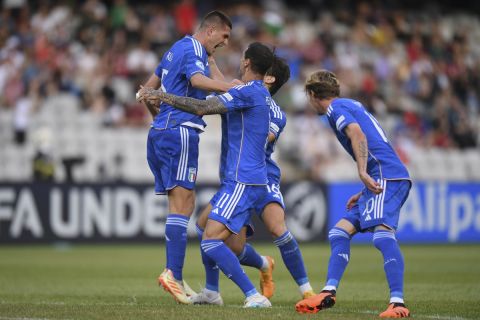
x=344 y=256
x=368 y=218
x=215 y=211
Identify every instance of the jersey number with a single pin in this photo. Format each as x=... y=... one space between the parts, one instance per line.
x=164 y=73
x=377 y=126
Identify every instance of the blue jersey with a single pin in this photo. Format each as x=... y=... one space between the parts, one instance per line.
x=278 y=120
x=248 y=125
x=184 y=59
x=383 y=162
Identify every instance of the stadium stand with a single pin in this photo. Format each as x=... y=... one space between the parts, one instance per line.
x=69 y=70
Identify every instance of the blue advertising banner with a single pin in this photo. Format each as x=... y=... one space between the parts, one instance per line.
x=433 y=212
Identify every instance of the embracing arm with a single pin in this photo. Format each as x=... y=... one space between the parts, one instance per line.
x=200 y=81
x=215 y=72
x=187 y=104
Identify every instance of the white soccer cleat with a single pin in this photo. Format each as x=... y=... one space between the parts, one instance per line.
x=188 y=290
x=207 y=297
x=257 y=301
x=174 y=287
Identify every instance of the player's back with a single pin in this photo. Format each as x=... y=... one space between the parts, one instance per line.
x=184 y=59
x=382 y=160
x=247 y=132
x=278 y=120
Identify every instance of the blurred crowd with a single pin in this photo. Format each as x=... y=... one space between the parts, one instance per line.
x=417 y=70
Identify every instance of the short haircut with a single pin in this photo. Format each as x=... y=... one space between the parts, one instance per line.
x=216 y=17
x=281 y=71
x=260 y=56
x=323 y=84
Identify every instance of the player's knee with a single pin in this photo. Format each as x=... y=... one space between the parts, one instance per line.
x=277 y=230
x=236 y=247
x=181 y=202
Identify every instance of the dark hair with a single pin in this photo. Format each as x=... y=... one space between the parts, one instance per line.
x=281 y=71
x=323 y=84
x=260 y=56
x=216 y=17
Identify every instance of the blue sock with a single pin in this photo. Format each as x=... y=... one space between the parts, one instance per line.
x=292 y=257
x=340 y=256
x=249 y=257
x=212 y=274
x=392 y=262
x=229 y=264
x=176 y=243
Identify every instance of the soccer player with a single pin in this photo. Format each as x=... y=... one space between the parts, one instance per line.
x=172 y=146
x=270 y=210
x=248 y=111
x=376 y=208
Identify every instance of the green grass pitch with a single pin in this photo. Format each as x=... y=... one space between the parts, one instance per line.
x=119 y=282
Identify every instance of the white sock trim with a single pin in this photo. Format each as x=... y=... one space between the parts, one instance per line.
x=396 y=300
x=305 y=287
x=265 y=263
x=329 y=288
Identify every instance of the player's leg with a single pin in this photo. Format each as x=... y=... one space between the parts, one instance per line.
x=339 y=237
x=274 y=218
x=226 y=218
x=395 y=194
x=210 y=294
x=177 y=152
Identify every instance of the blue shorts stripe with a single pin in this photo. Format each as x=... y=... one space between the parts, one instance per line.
x=228 y=212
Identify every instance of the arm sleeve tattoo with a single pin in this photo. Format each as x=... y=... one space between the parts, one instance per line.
x=195 y=106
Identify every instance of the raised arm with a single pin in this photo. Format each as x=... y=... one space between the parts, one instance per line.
x=215 y=72
x=360 y=150
x=153 y=82
x=190 y=105
x=205 y=83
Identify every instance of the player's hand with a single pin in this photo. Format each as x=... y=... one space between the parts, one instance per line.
x=371 y=184
x=149 y=96
x=353 y=200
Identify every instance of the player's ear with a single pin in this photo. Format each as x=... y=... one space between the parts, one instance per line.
x=269 y=79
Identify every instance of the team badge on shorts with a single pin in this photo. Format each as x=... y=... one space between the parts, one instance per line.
x=192 y=174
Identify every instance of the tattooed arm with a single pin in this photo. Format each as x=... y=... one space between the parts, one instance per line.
x=360 y=150
x=187 y=104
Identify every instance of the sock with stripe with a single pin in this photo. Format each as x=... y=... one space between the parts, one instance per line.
x=176 y=243
x=249 y=257
x=212 y=274
x=293 y=260
x=393 y=265
x=339 y=257
x=229 y=264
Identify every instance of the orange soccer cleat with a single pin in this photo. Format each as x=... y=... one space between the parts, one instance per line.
x=395 y=310
x=174 y=287
x=267 y=285
x=323 y=300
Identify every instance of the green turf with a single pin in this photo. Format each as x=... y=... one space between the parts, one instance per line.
x=119 y=282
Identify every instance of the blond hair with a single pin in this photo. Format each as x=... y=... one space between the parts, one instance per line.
x=323 y=84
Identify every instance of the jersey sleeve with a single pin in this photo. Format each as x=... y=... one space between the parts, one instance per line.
x=238 y=97
x=158 y=70
x=278 y=120
x=342 y=118
x=193 y=62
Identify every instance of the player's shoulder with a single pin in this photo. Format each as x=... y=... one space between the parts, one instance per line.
x=342 y=105
x=188 y=46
